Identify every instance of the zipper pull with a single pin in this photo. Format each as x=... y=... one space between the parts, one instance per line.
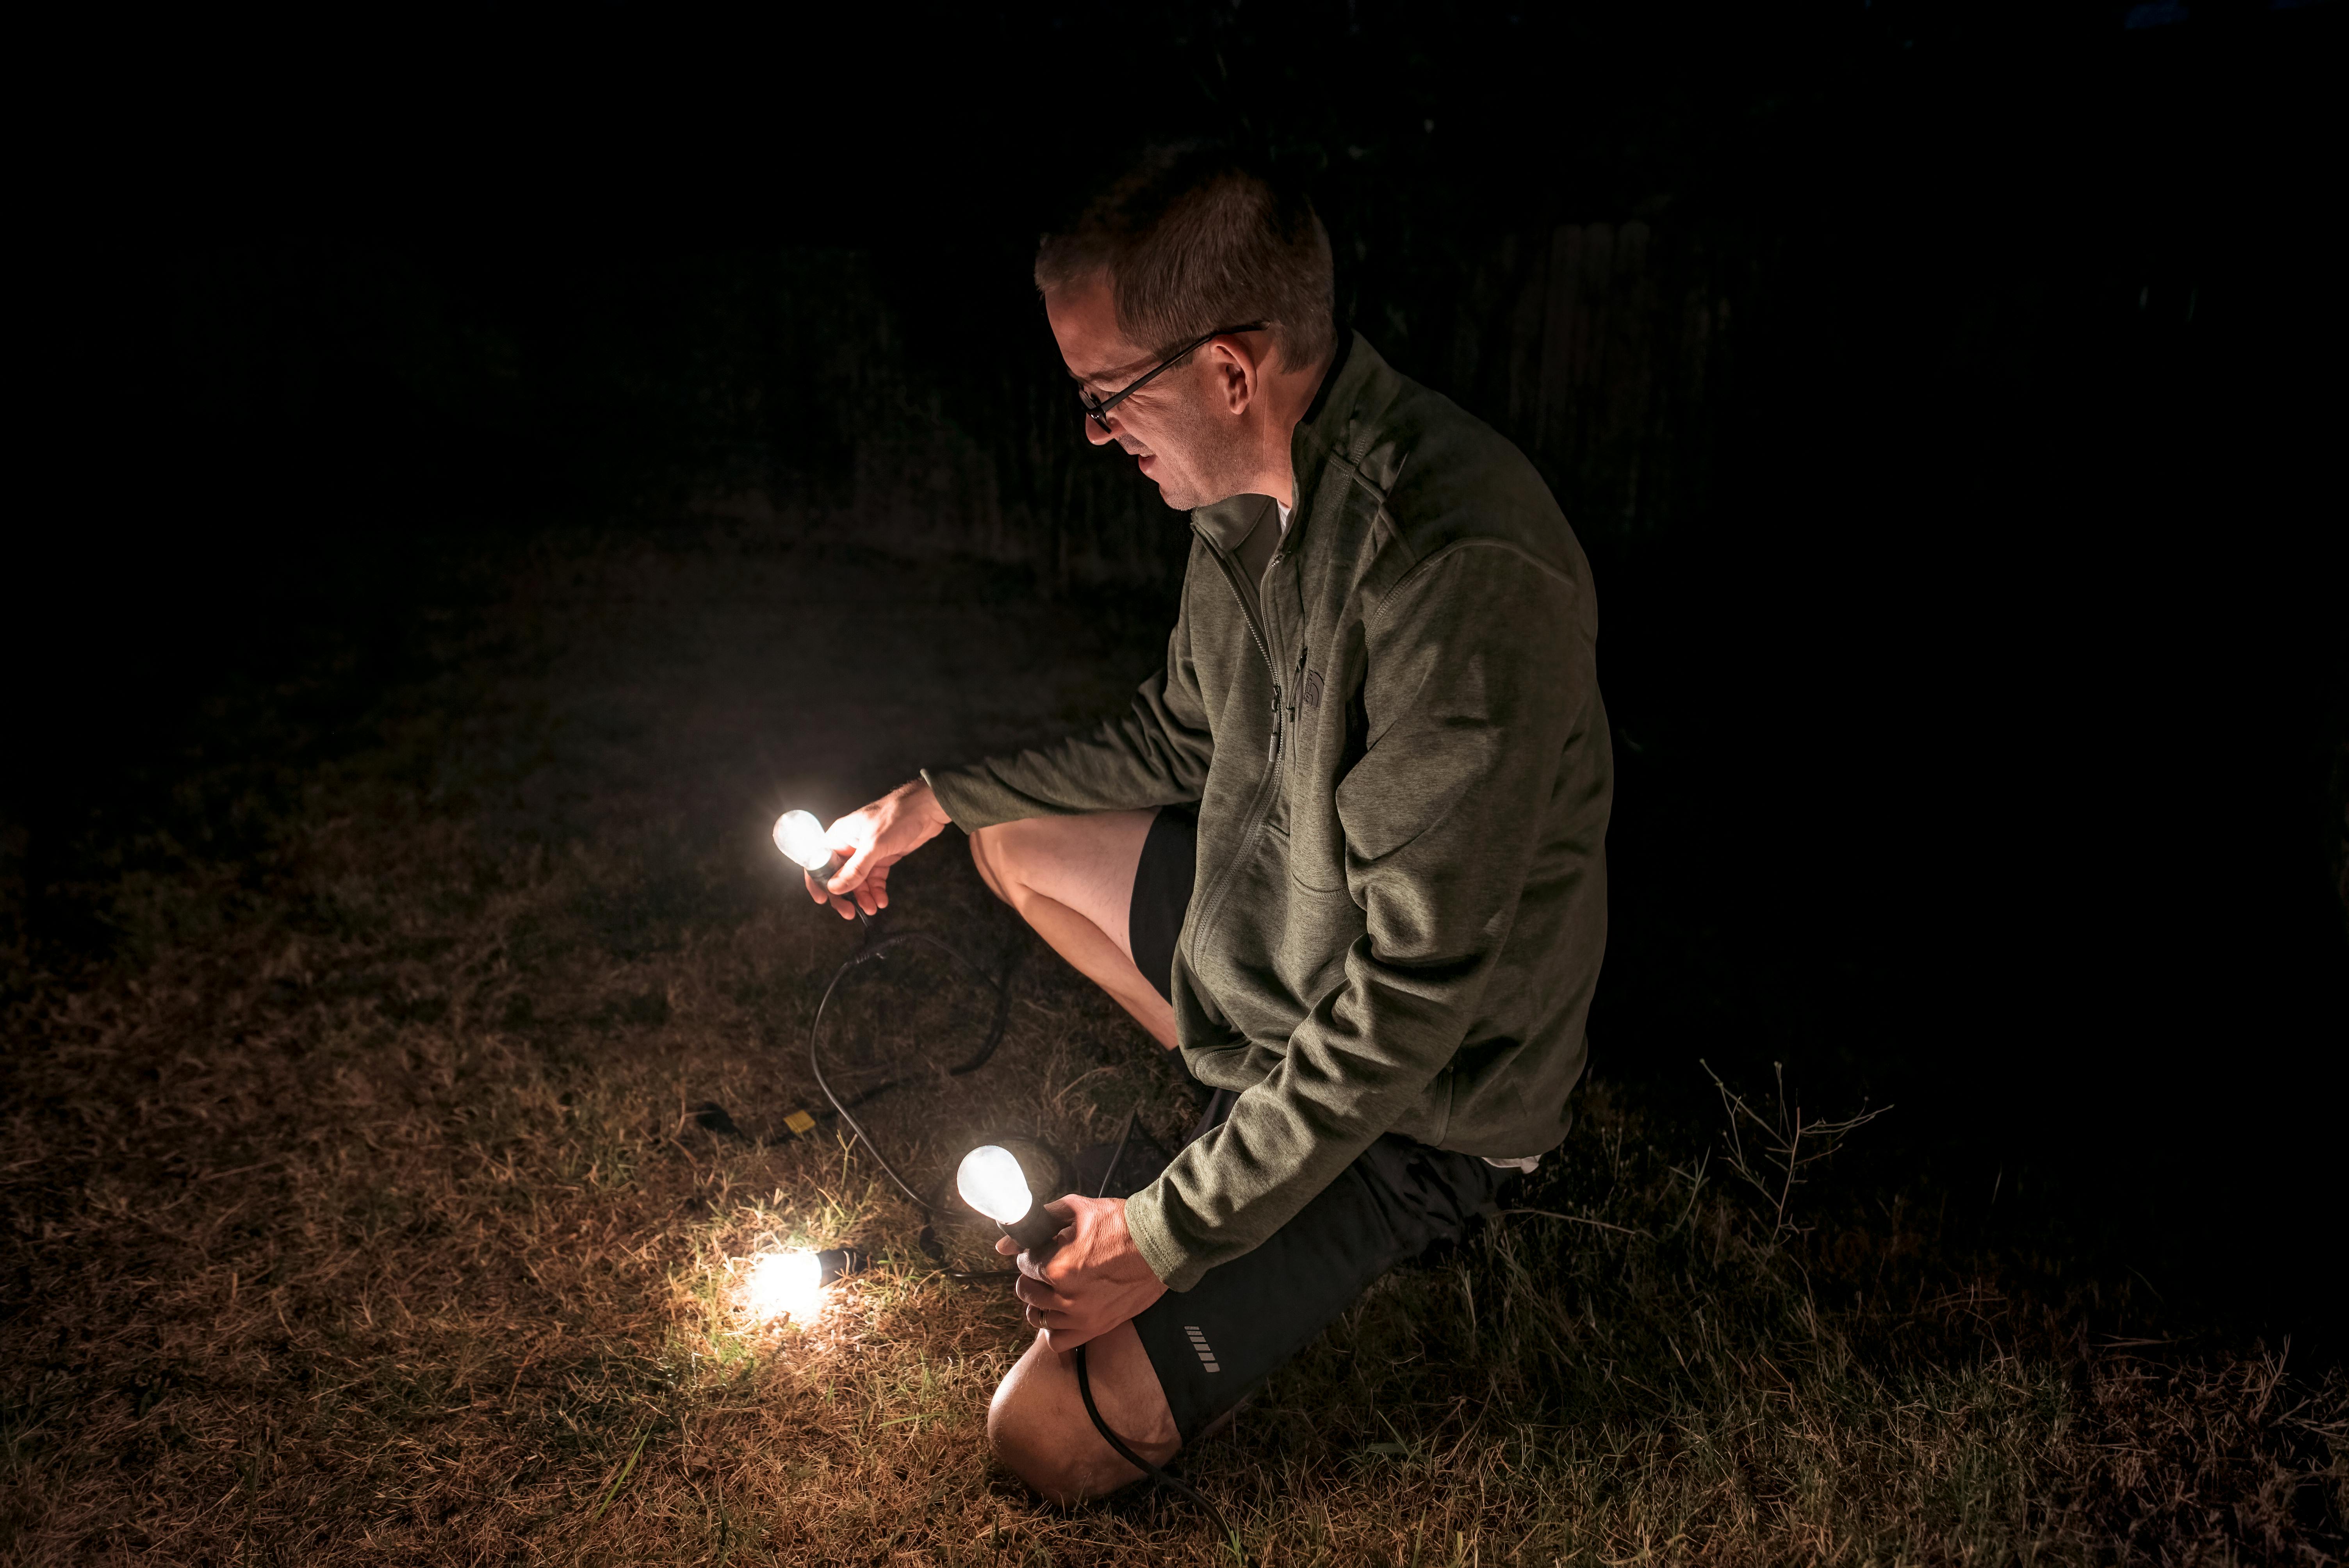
x=1272 y=743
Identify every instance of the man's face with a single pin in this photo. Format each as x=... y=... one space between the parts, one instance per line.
x=1182 y=428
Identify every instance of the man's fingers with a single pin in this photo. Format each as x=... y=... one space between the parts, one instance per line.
x=1038 y=1294
x=864 y=884
x=1032 y=1269
x=1061 y=1210
x=1061 y=1341
x=1063 y=1336
x=852 y=870
x=841 y=906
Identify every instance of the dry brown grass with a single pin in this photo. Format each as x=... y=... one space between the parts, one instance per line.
x=356 y=1213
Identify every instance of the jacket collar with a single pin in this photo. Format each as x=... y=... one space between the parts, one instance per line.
x=1327 y=428
x=1321 y=431
x=1329 y=377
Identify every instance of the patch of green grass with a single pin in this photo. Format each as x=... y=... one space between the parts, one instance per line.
x=356 y=1213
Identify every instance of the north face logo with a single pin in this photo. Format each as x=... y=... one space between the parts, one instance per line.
x=1312 y=690
x=1199 y=1343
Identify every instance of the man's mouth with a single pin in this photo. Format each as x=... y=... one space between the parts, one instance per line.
x=1144 y=459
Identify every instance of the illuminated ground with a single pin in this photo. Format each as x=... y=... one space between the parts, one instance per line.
x=357 y=1212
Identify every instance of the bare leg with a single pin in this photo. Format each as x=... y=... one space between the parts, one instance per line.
x=1038 y=1424
x=1071 y=878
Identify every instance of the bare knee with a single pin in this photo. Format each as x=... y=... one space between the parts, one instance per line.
x=1026 y=1429
x=1000 y=853
x=1030 y=1452
x=1038 y=1428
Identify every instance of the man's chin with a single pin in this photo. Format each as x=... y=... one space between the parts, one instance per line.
x=1188 y=498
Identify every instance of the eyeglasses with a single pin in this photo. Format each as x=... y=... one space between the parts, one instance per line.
x=1097 y=409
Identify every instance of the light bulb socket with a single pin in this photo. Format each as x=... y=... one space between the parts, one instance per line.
x=1033 y=1231
x=830 y=868
x=835 y=1262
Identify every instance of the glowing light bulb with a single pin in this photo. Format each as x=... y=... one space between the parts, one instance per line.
x=785 y=1285
x=991 y=1182
x=799 y=835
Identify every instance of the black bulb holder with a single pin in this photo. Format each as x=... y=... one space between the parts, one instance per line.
x=1034 y=1232
x=836 y=1262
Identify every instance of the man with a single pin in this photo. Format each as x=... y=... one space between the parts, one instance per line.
x=1380 y=933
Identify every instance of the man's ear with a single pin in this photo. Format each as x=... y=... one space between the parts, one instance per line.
x=1236 y=377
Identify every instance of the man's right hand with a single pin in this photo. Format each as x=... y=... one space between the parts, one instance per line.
x=873 y=838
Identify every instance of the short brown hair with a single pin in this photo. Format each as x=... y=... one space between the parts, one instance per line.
x=1194 y=238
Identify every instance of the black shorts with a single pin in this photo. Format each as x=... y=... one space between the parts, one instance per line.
x=1214 y=1343
x=1162 y=894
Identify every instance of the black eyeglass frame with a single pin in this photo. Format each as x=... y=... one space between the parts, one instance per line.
x=1097 y=409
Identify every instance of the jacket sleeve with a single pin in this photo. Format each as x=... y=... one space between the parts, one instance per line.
x=1154 y=754
x=1477 y=663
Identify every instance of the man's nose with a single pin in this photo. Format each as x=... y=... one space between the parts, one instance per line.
x=1099 y=434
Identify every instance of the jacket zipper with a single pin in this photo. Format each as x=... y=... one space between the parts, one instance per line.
x=1296 y=683
x=1272 y=672
x=1213 y=906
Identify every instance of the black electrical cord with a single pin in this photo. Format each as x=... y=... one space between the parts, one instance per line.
x=871 y=949
x=1157 y=1475
x=1164 y=1478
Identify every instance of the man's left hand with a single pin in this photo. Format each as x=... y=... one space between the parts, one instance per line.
x=1094 y=1281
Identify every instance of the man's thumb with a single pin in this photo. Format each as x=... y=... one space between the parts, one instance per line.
x=851 y=871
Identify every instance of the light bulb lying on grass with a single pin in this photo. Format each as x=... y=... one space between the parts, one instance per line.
x=800 y=836
x=785 y=1285
x=790 y=1284
x=991 y=1182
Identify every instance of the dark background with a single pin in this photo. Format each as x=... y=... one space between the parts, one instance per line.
x=1939 y=391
